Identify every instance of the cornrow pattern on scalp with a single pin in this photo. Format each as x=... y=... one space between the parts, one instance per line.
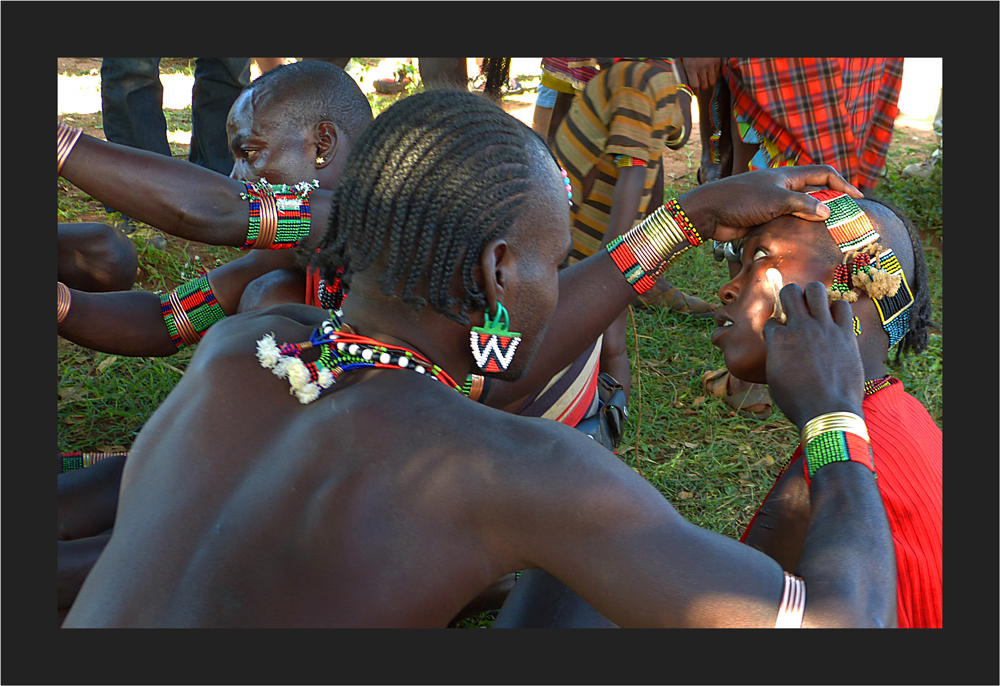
x=435 y=178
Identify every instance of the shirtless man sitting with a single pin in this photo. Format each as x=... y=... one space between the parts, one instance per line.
x=375 y=494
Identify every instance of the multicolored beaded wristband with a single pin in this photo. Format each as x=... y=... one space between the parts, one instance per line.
x=75 y=460
x=66 y=138
x=63 y=301
x=674 y=208
x=835 y=437
x=189 y=310
x=647 y=249
x=279 y=214
x=629 y=161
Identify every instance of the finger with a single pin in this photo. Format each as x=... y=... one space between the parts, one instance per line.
x=693 y=81
x=842 y=314
x=818 y=301
x=770 y=327
x=819 y=175
x=792 y=302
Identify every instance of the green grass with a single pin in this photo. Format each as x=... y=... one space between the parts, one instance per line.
x=713 y=465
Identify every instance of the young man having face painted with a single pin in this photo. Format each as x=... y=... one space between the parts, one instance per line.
x=884 y=277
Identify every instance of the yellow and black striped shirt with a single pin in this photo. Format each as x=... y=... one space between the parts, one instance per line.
x=630 y=109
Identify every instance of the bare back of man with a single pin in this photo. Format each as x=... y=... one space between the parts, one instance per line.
x=310 y=517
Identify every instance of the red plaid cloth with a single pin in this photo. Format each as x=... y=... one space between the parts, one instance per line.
x=838 y=111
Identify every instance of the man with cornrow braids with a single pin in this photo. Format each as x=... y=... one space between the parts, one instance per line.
x=293 y=122
x=310 y=470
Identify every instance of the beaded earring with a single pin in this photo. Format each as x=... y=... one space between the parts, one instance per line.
x=492 y=344
x=568 y=184
x=893 y=303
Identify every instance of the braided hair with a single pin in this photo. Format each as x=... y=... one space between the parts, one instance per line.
x=430 y=182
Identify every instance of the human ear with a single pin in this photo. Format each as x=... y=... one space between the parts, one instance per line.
x=328 y=137
x=496 y=264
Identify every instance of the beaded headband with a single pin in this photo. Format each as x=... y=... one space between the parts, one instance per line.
x=849 y=226
x=882 y=278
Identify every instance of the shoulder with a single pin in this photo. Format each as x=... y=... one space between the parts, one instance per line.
x=545 y=459
x=238 y=334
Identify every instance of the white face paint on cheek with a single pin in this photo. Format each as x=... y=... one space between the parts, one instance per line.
x=774 y=278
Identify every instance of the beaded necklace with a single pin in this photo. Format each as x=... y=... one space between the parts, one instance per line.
x=873 y=386
x=341 y=350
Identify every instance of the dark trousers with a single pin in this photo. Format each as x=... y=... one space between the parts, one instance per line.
x=132 y=105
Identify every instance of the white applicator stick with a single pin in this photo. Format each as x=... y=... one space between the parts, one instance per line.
x=774 y=278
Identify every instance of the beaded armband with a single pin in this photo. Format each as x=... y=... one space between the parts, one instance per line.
x=76 y=460
x=63 y=301
x=629 y=161
x=644 y=252
x=279 y=214
x=793 y=603
x=835 y=437
x=66 y=138
x=674 y=208
x=473 y=386
x=189 y=310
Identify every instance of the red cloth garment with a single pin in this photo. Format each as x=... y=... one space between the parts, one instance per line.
x=312 y=286
x=838 y=111
x=907 y=447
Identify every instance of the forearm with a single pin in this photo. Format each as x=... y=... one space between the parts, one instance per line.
x=180 y=198
x=176 y=196
x=120 y=323
x=848 y=560
x=625 y=202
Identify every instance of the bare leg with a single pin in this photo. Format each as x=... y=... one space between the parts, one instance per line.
x=559 y=111
x=274 y=288
x=75 y=560
x=742 y=152
x=266 y=64
x=540 y=121
x=87 y=499
x=95 y=257
x=490 y=599
x=540 y=601
x=709 y=171
x=443 y=72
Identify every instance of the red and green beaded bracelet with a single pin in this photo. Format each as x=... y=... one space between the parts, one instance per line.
x=279 y=214
x=189 y=310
